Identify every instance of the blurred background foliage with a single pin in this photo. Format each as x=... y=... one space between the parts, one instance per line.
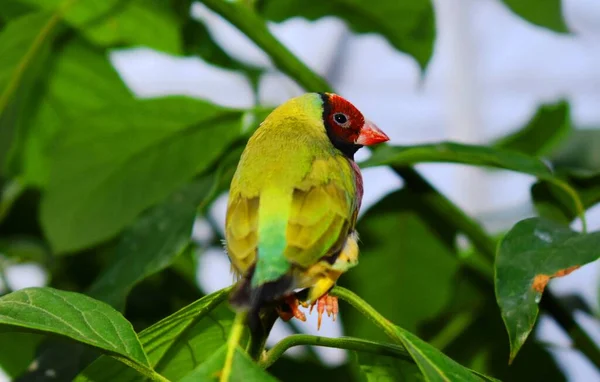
x=101 y=189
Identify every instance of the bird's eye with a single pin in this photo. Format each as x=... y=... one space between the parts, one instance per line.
x=341 y=119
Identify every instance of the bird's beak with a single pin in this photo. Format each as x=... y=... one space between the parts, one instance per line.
x=371 y=135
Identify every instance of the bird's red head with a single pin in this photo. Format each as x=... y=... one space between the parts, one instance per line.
x=346 y=127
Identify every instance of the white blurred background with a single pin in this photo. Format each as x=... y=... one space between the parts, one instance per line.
x=489 y=73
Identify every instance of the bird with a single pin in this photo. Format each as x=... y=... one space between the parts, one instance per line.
x=293 y=204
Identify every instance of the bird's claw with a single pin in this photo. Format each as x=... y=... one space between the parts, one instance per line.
x=294 y=309
x=325 y=303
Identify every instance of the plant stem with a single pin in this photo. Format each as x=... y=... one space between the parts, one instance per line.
x=142 y=369
x=576 y=200
x=348 y=343
x=255 y=28
x=367 y=310
x=237 y=330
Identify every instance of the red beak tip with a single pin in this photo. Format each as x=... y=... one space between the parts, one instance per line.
x=371 y=135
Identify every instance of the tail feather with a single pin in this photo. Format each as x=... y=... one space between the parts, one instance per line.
x=253 y=299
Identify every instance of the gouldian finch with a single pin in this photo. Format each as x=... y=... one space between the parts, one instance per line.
x=293 y=203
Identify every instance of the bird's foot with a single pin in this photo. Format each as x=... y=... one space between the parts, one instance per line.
x=290 y=309
x=326 y=303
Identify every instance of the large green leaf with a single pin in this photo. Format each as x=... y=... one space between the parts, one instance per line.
x=114 y=22
x=534 y=251
x=175 y=345
x=24 y=47
x=124 y=159
x=405 y=250
x=80 y=79
x=377 y=368
x=151 y=243
x=75 y=316
x=546 y=129
x=545 y=13
x=554 y=203
x=458 y=153
x=243 y=369
x=408 y=25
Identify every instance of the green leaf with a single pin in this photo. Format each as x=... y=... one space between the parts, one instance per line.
x=75 y=316
x=546 y=129
x=112 y=22
x=24 y=48
x=80 y=80
x=138 y=22
x=151 y=243
x=12 y=9
x=117 y=162
x=243 y=369
x=471 y=155
x=458 y=153
x=22 y=351
x=408 y=25
x=434 y=365
x=552 y=202
x=534 y=251
x=377 y=368
x=175 y=345
x=581 y=151
x=392 y=233
x=545 y=13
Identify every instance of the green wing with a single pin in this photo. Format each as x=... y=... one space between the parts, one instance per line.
x=320 y=214
x=320 y=220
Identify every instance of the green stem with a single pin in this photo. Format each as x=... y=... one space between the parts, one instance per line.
x=576 y=200
x=348 y=343
x=233 y=343
x=142 y=369
x=255 y=28
x=367 y=310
